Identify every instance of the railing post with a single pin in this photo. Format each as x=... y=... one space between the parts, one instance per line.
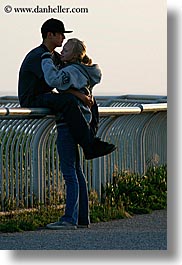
x=37 y=149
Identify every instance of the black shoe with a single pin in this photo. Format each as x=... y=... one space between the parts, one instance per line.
x=99 y=148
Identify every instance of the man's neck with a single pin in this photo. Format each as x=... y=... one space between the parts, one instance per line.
x=49 y=46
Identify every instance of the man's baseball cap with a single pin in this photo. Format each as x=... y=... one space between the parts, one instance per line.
x=54 y=25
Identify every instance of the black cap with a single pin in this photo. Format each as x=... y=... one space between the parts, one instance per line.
x=53 y=25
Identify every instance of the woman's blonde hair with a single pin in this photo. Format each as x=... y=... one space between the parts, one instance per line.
x=79 y=51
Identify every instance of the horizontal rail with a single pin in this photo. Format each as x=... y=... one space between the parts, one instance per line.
x=103 y=111
x=117 y=111
x=39 y=112
x=154 y=107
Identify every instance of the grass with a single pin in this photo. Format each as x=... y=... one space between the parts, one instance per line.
x=128 y=194
x=29 y=220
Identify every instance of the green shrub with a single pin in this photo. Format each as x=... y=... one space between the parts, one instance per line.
x=139 y=194
x=128 y=194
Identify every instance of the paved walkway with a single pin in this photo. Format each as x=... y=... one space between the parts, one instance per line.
x=142 y=232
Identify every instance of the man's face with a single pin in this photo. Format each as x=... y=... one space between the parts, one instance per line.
x=57 y=39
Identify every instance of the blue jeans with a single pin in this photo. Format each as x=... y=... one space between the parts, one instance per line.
x=67 y=104
x=77 y=210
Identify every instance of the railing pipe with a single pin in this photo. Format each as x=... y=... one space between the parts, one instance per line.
x=103 y=111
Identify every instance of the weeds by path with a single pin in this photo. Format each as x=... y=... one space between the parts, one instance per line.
x=128 y=194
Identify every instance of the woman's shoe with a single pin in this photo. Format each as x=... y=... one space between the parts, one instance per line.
x=99 y=148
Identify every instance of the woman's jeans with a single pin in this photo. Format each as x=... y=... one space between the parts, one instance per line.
x=77 y=210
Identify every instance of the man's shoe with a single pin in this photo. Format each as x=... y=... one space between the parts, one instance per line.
x=99 y=148
x=61 y=226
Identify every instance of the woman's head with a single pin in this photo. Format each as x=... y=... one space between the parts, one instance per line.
x=74 y=50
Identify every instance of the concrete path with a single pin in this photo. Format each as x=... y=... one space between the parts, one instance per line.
x=142 y=232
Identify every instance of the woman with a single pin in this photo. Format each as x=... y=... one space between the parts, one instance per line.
x=78 y=73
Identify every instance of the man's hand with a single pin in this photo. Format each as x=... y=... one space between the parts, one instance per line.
x=87 y=100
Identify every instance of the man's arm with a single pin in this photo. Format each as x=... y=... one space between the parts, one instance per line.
x=87 y=100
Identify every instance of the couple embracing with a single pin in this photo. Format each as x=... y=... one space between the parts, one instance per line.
x=74 y=76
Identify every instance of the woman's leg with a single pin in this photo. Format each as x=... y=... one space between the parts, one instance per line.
x=83 y=215
x=67 y=152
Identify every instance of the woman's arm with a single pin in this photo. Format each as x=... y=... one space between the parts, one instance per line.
x=59 y=79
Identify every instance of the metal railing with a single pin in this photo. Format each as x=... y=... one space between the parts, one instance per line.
x=29 y=163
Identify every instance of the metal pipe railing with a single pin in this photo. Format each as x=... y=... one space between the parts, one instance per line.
x=103 y=111
x=23 y=113
x=29 y=162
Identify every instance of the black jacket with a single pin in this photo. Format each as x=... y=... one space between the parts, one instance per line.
x=31 y=78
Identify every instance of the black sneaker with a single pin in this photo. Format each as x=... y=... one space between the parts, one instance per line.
x=100 y=148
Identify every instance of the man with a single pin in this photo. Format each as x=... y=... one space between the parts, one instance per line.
x=34 y=92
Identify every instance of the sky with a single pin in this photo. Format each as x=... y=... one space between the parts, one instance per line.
x=128 y=39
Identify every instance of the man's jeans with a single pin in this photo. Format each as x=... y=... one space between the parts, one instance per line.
x=76 y=211
x=67 y=105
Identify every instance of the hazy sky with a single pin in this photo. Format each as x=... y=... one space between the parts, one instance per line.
x=127 y=38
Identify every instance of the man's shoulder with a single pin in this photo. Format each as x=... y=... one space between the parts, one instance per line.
x=32 y=60
x=36 y=52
